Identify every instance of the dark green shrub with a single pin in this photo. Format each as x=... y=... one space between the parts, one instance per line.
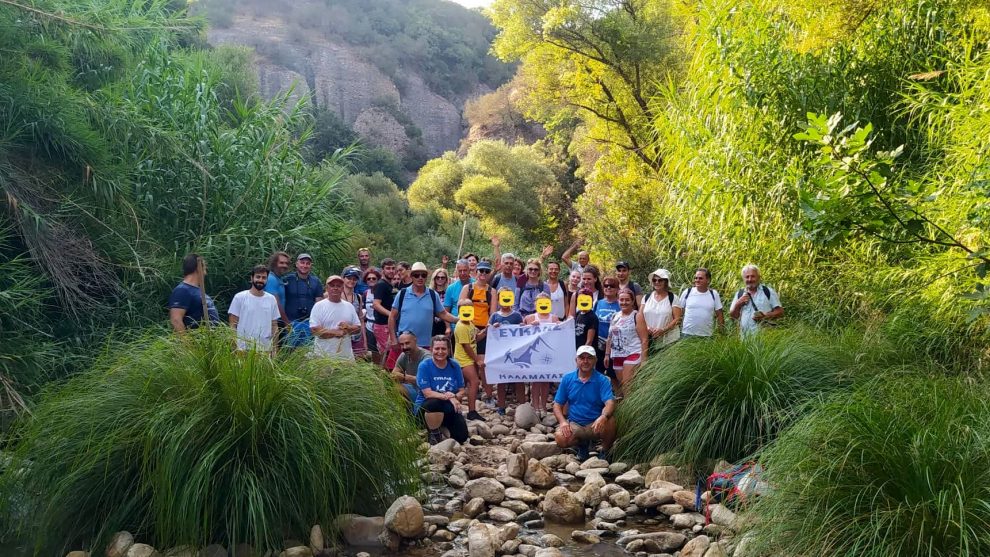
x=180 y=441
x=900 y=467
x=723 y=397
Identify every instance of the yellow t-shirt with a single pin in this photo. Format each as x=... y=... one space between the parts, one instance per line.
x=465 y=333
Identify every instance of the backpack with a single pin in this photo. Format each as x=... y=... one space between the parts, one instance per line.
x=687 y=293
x=649 y=296
x=766 y=292
x=734 y=487
x=402 y=295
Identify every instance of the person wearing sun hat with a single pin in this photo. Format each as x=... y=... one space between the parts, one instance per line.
x=663 y=327
x=413 y=310
x=590 y=405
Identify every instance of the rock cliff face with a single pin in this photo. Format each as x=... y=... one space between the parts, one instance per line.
x=338 y=78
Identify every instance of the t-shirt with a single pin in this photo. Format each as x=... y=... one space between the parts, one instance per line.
x=762 y=303
x=500 y=281
x=624 y=336
x=583 y=321
x=300 y=295
x=328 y=315
x=465 y=333
x=527 y=297
x=514 y=318
x=659 y=314
x=699 y=311
x=416 y=313
x=385 y=294
x=448 y=379
x=276 y=287
x=409 y=363
x=604 y=310
x=452 y=295
x=585 y=399
x=254 y=319
x=577 y=267
x=637 y=289
x=186 y=296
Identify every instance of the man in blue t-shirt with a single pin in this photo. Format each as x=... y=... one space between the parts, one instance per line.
x=185 y=304
x=414 y=308
x=590 y=407
x=278 y=267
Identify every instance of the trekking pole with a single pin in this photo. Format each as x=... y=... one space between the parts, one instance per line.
x=201 y=273
x=461 y=245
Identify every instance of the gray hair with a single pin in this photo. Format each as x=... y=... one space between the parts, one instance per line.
x=750 y=267
x=462 y=262
x=508 y=256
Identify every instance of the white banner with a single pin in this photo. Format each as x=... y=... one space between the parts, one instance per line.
x=518 y=353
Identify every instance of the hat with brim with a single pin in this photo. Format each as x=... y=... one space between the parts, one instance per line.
x=302 y=256
x=335 y=278
x=352 y=273
x=622 y=265
x=660 y=273
x=484 y=266
x=419 y=266
x=582 y=350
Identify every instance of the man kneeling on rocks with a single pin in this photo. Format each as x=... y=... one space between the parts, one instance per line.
x=441 y=384
x=590 y=405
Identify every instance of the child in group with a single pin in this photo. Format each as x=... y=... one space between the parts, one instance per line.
x=508 y=316
x=466 y=354
x=585 y=320
x=539 y=390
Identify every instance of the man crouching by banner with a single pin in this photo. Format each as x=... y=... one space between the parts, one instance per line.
x=590 y=407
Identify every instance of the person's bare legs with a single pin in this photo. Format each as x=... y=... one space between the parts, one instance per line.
x=538 y=396
x=626 y=375
x=472 y=382
x=433 y=420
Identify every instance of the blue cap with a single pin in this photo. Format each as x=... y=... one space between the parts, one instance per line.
x=484 y=265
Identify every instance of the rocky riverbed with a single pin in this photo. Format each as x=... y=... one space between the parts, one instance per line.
x=511 y=491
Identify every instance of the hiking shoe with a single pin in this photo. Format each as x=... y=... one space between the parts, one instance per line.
x=582 y=451
x=474 y=415
x=435 y=436
x=490 y=402
x=603 y=454
x=501 y=411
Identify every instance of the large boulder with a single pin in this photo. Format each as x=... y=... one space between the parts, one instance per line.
x=483 y=540
x=119 y=544
x=540 y=449
x=667 y=473
x=590 y=493
x=685 y=499
x=657 y=541
x=405 y=517
x=365 y=531
x=560 y=505
x=723 y=516
x=696 y=547
x=489 y=489
x=526 y=416
x=653 y=498
x=538 y=475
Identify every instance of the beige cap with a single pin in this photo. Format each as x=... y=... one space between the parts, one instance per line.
x=334 y=278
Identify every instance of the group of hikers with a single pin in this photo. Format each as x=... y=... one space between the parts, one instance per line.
x=428 y=329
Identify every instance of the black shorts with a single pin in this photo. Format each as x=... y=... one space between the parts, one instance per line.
x=452 y=420
x=372 y=342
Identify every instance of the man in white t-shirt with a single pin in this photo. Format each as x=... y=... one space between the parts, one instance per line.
x=332 y=322
x=254 y=314
x=755 y=305
x=699 y=307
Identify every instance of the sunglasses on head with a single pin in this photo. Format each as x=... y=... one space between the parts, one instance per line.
x=418 y=275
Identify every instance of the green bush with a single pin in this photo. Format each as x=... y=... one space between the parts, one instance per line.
x=899 y=467
x=180 y=441
x=724 y=397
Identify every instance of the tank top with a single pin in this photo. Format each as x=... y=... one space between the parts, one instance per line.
x=622 y=333
x=482 y=310
x=558 y=302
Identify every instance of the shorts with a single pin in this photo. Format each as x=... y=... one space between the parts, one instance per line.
x=481 y=345
x=631 y=359
x=372 y=341
x=583 y=432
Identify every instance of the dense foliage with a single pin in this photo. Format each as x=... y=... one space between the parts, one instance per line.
x=900 y=467
x=182 y=441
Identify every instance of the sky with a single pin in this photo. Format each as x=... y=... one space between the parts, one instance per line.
x=474 y=3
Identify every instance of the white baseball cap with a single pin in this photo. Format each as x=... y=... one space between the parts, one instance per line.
x=586 y=350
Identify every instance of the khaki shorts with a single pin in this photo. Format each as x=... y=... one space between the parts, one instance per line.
x=583 y=432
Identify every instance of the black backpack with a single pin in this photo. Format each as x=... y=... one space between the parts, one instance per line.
x=687 y=293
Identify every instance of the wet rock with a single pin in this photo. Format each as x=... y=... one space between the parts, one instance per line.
x=722 y=516
x=685 y=499
x=540 y=449
x=527 y=516
x=509 y=547
x=611 y=514
x=475 y=471
x=631 y=479
x=526 y=416
x=488 y=489
x=501 y=514
x=515 y=506
x=534 y=524
x=583 y=536
x=483 y=540
x=561 y=506
x=551 y=540
x=520 y=494
x=454 y=506
x=450 y=553
x=298 y=551
x=457 y=477
x=405 y=517
x=670 y=509
x=515 y=465
x=660 y=541
x=508 y=481
x=119 y=544
x=696 y=547
x=459 y=525
x=590 y=493
x=635 y=546
x=653 y=498
x=145 y=550
x=443 y=536
x=529 y=550
x=474 y=507
x=538 y=475
x=437 y=519
x=594 y=462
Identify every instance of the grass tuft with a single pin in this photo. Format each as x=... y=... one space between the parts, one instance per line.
x=899 y=467
x=180 y=441
x=724 y=397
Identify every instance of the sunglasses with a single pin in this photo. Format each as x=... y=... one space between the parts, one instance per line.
x=611 y=286
x=654 y=279
x=533 y=269
x=418 y=275
x=485 y=271
x=441 y=277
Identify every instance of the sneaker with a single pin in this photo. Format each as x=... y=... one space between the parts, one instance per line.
x=603 y=454
x=474 y=415
x=435 y=436
x=490 y=402
x=582 y=451
x=501 y=411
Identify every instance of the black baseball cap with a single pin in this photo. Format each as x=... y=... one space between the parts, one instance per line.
x=622 y=264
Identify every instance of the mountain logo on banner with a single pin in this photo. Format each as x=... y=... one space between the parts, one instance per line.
x=523 y=356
